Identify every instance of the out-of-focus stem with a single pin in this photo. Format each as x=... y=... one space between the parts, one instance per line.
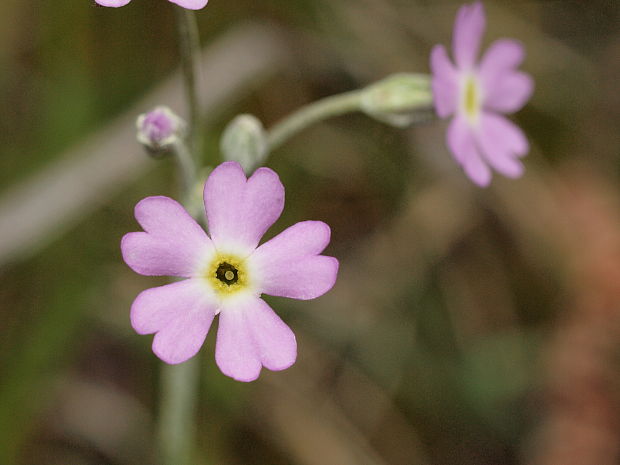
x=189 y=48
x=187 y=166
x=400 y=100
x=179 y=386
x=314 y=112
x=179 y=383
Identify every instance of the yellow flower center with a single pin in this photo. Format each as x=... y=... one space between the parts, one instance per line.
x=227 y=274
x=471 y=99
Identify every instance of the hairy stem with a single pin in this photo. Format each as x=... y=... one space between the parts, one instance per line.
x=328 y=107
x=179 y=385
x=187 y=168
x=189 y=48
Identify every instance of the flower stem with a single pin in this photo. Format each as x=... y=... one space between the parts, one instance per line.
x=187 y=166
x=189 y=48
x=178 y=402
x=400 y=100
x=179 y=383
x=334 y=105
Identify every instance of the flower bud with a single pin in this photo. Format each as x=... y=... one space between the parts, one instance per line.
x=400 y=99
x=159 y=129
x=244 y=141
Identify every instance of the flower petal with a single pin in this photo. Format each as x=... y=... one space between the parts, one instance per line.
x=173 y=244
x=501 y=143
x=250 y=335
x=462 y=145
x=235 y=351
x=512 y=136
x=456 y=138
x=509 y=92
x=444 y=83
x=112 y=3
x=240 y=210
x=191 y=4
x=477 y=170
x=273 y=338
x=468 y=29
x=289 y=265
x=181 y=340
x=504 y=55
x=181 y=314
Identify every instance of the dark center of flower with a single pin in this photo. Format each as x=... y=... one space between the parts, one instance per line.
x=227 y=273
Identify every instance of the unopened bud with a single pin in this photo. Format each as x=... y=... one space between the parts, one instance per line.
x=400 y=99
x=244 y=140
x=159 y=129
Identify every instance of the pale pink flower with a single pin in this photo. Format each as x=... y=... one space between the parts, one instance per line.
x=226 y=272
x=477 y=93
x=189 y=4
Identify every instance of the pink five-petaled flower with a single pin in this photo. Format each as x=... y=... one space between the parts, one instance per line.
x=477 y=93
x=189 y=4
x=226 y=272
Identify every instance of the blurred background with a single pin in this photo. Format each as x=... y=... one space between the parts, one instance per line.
x=468 y=326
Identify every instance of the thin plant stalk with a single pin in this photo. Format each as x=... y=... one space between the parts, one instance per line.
x=187 y=167
x=179 y=383
x=189 y=47
x=312 y=113
x=178 y=396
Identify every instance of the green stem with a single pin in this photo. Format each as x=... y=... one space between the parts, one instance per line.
x=187 y=167
x=322 y=109
x=189 y=48
x=179 y=385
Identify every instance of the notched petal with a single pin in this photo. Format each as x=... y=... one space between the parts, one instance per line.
x=173 y=244
x=250 y=335
x=239 y=210
x=289 y=265
x=501 y=143
x=180 y=313
x=461 y=142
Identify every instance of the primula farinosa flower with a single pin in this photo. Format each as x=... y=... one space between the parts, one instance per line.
x=159 y=128
x=226 y=272
x=477 y=93
x=189 y=4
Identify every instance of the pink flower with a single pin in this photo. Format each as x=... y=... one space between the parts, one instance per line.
x=189 y=4
x=477 y=93
x=226 y=272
